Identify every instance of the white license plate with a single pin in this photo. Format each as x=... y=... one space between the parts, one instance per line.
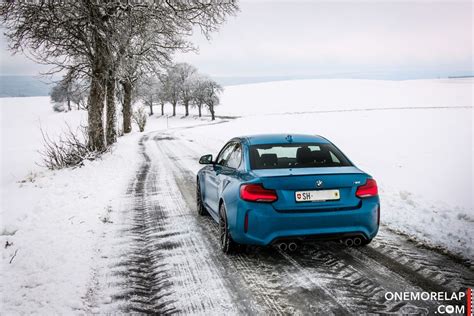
x=319 y=195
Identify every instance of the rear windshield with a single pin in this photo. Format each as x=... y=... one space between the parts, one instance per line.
x=308 y=155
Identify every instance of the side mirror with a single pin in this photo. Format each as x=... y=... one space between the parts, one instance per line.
x=205 y=160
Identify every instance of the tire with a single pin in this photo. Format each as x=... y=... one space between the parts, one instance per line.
x=227 y=244
x=201 y=209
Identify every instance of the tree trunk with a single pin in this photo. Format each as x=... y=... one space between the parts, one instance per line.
x=186 y=107
x=111 y=131
x=211 y=109
x=151 y=107
x=199 y=109
x=162 y=109
x=127 y=106
x=95 y=109
x=174 y=109
x=68 y=104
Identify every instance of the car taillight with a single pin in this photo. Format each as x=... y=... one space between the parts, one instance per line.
x=369 y=189
x=257 y=193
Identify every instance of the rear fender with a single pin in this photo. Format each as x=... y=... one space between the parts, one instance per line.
x=230 y=196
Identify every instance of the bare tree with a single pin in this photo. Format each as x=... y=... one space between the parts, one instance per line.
x=69 y=90
x=185 y=73
x=148 y=91
x=161 y=94
x=172 y=88
x=211 y=92
x=199 y=92
x=70 y=35
x=59 y=95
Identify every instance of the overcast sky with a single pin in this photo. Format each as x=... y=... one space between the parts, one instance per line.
x=376 y=39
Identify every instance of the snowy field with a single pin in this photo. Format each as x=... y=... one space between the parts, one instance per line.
x=337 y=94
x=414 y=137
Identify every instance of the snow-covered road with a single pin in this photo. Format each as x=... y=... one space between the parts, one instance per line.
x=171 y=260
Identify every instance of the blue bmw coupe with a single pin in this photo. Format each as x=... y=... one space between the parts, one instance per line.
x=283 y=189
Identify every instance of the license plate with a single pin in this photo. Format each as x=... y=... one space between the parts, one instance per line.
x=319 y=195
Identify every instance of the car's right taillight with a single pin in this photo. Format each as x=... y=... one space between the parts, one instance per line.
x=257 y=193
x=369 y=189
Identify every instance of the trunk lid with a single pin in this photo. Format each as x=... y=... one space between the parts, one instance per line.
x=288 y=181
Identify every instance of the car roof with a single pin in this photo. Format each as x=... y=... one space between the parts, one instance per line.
x=261 y=139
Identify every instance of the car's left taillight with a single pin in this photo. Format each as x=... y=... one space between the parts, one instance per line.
x=257 y=193
x=369 y=189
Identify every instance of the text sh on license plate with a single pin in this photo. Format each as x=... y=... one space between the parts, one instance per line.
x=319 y=195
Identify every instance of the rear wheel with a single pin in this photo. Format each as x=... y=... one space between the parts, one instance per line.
x=199 y=204
x=227 y=244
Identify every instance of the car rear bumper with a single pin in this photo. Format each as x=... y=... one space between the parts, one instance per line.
x=266 y=225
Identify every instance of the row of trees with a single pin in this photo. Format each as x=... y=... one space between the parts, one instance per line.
x=109 y=43
x=181 y=84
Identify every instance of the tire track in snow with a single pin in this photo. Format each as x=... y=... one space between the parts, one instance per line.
x=435 y=271
x=358 y=282
x=144 y=278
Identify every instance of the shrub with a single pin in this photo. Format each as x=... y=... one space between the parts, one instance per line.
x=139 y=117
x=58 y=107
x=69 y=150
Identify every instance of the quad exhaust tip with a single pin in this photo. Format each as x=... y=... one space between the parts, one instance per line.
x=292 y=246
x=349 y=242
x=357 y=241
x=282 y=246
